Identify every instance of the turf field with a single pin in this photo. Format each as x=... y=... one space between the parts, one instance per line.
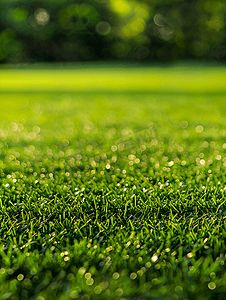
x=112 y=182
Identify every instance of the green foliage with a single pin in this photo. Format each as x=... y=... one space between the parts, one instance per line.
x=115 y=195
x=46 y=30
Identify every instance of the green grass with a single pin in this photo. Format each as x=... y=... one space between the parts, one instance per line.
x=115 y=192
x=197 y=78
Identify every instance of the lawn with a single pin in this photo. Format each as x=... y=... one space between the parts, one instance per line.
x=112 y=182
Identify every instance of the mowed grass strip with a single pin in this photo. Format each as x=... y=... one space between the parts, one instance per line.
x=112 y=195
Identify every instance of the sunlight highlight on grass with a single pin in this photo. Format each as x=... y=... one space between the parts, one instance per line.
x=194 y=80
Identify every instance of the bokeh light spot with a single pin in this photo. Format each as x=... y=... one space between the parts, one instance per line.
x=199 y=129
x=103 y=28
x=121 y=7
x=42 y=16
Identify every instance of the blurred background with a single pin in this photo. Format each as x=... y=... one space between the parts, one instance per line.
x=107 y=30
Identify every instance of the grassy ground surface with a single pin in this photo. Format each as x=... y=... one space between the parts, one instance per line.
x=112 y=183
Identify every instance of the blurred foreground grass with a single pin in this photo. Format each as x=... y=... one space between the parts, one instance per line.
x=114 y=193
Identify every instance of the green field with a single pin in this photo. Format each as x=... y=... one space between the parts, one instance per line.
x=113 y=182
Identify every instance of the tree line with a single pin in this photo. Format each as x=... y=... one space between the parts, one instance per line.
x=132 y=30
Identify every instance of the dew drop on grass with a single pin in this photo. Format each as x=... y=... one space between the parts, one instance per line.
x=115 y=275
x=20 y=277
x=212 y=275
x=88 y=275
x=119 y=292
x=82 y=270
x=154 y=258
x=98 y=289
x=74 y=294
x=133 y=275
x=90 y=281
x=212 y=285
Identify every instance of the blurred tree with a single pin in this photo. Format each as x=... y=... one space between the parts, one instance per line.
x=69 y=30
